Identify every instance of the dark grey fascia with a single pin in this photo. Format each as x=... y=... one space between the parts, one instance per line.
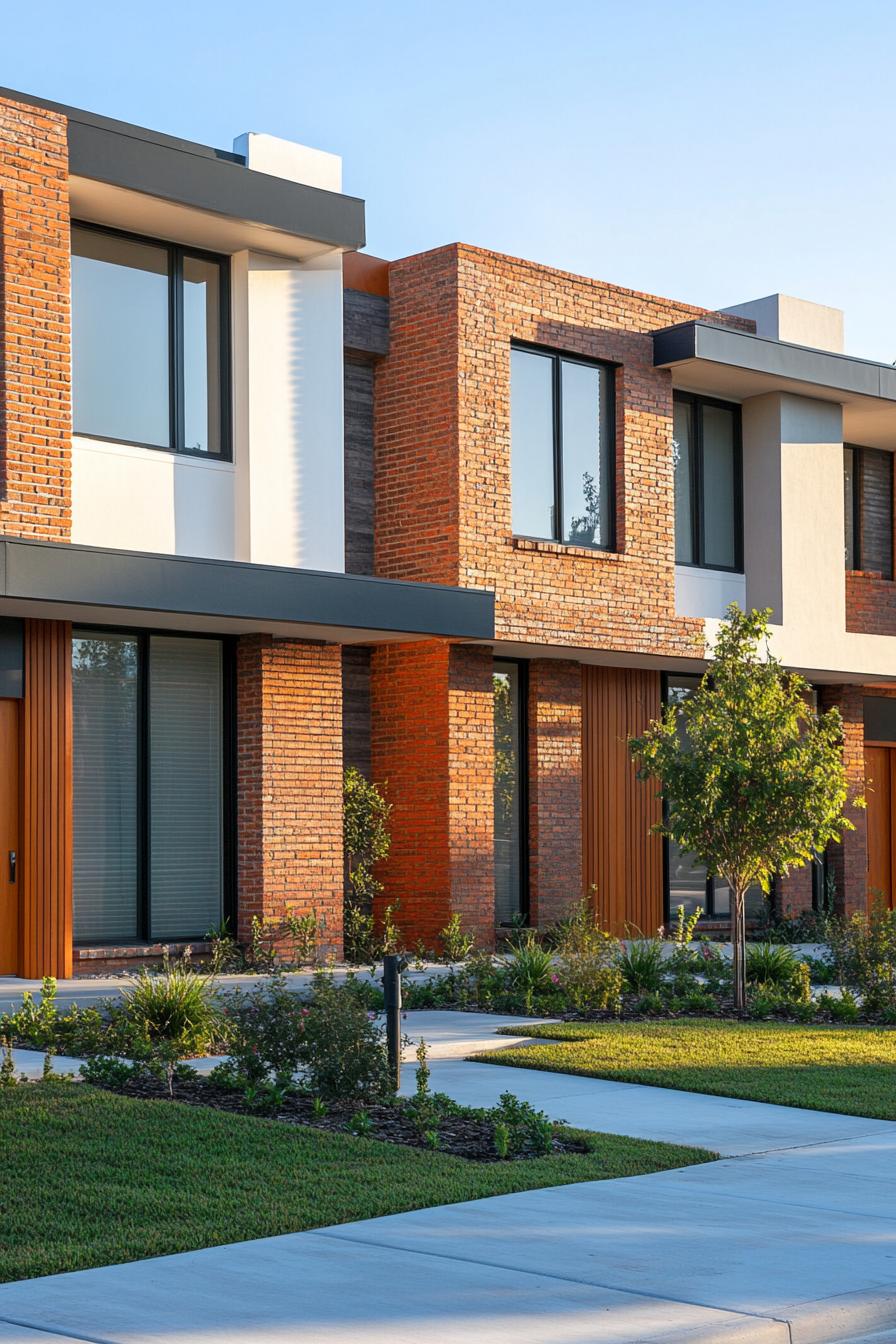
x=185 y=173
x=779 y=359
x=880 y=718
x=88 y=576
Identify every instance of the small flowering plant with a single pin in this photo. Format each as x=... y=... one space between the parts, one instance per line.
x=264 y=1032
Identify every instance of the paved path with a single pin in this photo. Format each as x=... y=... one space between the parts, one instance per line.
x=791 y=1239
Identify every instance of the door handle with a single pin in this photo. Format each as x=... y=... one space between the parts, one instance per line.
x=12 y=865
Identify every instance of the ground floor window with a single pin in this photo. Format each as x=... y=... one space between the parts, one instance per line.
x=149 y=737
x=511 y=847
x=688 y=883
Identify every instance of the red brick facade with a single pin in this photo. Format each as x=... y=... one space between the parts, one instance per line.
x=35 y=345
x=870 y=603
x=289 y=783
x=555 y=788
x=432 y=751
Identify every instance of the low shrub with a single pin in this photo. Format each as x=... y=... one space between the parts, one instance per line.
x=345 y=1054
x=264 y=1033
x=518 y=1128
x=455 y=943
x=587 y=973
x=641 y=964
x=772 y=965
x=529 y=967
x=172 y=1013
x=864 y=951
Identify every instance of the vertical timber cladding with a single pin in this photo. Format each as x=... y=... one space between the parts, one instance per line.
x=46 y=926
x=621 y=859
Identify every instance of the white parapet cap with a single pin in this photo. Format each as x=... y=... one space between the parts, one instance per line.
x=797 y=321
x=284 y=158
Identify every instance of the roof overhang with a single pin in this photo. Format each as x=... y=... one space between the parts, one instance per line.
x=723 y=362
x=199 y=177
x=92 y=584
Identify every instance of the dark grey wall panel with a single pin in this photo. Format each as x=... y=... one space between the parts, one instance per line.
x=365 y=323
x=880 y=718
x=12 y=659
x=356 y=708
x=358 y=466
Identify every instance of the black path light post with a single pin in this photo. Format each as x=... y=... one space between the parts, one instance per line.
x=393 y=965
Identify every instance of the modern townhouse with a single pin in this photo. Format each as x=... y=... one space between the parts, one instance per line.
x=269 y=506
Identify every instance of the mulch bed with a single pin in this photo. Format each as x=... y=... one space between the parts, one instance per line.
x=468 y=1135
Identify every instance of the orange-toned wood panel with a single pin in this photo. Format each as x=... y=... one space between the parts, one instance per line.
x=10 y=836
x=47 y=801
x=621 y=859
x=880 y=766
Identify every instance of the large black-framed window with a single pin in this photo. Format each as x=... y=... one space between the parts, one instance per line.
x=687 y=882
x=150 y=343
x=868 y=508
x=707 y=457
x=510 y=684
x=563 y=456
x=153 y=789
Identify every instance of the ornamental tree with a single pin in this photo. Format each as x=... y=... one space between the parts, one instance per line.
x=751 y=775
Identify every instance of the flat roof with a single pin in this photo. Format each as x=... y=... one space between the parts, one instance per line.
x=186 y=173
x=90 y=583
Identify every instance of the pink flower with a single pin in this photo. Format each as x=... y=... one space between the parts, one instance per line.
x=555 y=979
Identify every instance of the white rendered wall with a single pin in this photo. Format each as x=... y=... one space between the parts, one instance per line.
x=280 y=501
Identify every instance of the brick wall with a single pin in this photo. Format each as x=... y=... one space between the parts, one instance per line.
x=35 y=354
x=870 y=603
x=432 y=751
x=289 y=782
x=555 y=789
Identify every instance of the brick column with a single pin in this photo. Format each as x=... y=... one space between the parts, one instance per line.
x=35 y=345
x=555 y=789
x=289 y=783
x=793 y=894
x=432 y=747
x=849 y=861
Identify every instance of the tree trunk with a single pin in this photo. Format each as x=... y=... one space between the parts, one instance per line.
x=738 y=948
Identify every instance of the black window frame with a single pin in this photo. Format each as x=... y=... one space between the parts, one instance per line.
x=177 y=252
x=142 y=636
x=858 y=451
x=522 y=667
x=698 y=523
x=558 y=358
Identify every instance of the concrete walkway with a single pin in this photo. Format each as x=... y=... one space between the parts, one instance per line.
x=791 y=1239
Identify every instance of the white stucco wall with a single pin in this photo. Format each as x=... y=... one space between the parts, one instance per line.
x=280 y=501
x=707 y=592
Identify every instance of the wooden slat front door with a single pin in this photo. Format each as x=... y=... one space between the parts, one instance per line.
x=880 y=769
x=10 y=834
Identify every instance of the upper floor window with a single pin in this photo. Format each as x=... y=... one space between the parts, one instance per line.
x=150 y=343
x=562 y=448
x=708 y=483
x=868 y=500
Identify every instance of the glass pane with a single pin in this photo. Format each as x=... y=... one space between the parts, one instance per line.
x=508 y=827
x=683 y=462
x=755 y=904
x=588 y=458
x=202 y=355
x=104 y=779
x=719 y=498
x=185 y=785
x=532 y=444
x=687 y=882
x=876 y=477
x=120 y=357
x=848 y=510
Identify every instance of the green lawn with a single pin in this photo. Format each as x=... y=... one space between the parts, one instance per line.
x=815 y=1067
x=91 y=1178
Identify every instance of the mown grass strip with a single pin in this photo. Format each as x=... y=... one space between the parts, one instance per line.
x=90 y=1178
x=850 y=1070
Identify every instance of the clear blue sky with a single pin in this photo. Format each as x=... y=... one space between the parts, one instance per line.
x=711 y=152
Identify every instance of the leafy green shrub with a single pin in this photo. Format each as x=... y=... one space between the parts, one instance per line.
x=586 y=955
x=264 y=1032
x=456 y=945
x=649 y=1005
x=174 y=1014
x=864 y=952
x=771 y=964
x=845 y=1009
x=345 y=1051
x=108 y=1071
x=519 y=1128
x=529 y=967
x=641 y=964
x=303 y=931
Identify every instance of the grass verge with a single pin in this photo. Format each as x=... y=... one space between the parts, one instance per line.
x=90 y=1178
x=816 y=1068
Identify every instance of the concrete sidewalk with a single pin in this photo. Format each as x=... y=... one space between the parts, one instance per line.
x=791 y=1240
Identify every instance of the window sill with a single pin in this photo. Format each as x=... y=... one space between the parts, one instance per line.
x=107 y=952
x=875 y=574
x=562 y=548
